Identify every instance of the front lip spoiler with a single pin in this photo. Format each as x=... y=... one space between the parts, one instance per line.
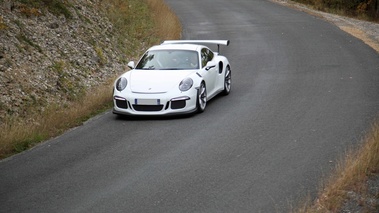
x=148 y=92
x=114 y=111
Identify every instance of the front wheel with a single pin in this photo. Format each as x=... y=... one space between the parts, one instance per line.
x=227 y=81
x=201 y=98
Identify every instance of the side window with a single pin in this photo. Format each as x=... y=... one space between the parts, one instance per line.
x=206 y=55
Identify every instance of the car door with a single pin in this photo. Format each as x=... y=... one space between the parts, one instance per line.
x=210 y=71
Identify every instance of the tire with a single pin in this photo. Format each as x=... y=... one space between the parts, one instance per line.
x=227 y=81
x=201 y=102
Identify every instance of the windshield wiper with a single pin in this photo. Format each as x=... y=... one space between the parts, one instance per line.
x=172 y=68
x=149 y=68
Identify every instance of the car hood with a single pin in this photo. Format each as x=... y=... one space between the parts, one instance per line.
x=156 y=81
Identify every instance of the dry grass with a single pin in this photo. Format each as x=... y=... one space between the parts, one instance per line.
x=133 y=20
x=351 y=175
x=31 y=7
x=18 y=134
x=3 y=26
x=167 y=24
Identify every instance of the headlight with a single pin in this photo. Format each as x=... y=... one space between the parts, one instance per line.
x=121 y=84
x=186 y=84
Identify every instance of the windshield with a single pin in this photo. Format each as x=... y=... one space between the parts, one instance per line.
x=169 y=60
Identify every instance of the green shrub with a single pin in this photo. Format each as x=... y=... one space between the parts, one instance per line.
x=3 y=26
x=56 y=7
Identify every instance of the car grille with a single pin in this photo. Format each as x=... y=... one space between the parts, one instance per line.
x=148 y=108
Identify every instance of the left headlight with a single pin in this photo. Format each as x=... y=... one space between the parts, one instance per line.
x=121 y=84
x=186 y=84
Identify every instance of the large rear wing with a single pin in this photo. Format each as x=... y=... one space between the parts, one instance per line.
x=218 y=42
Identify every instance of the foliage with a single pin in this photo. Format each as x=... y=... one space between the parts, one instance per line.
x=367 y=9
x=65 y=82
x=29 y=11
x=56 y=7
x=3 y=26
x=101 y=57
x=23 y=38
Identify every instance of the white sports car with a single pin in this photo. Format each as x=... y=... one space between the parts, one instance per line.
x=176 y=77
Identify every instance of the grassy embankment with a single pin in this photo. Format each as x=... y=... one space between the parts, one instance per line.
x=148 y=23
x=350 y=179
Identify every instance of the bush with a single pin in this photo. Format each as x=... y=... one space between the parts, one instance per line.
x=56 y=7
x=367 y=9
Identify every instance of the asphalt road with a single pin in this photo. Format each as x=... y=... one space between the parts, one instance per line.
x=303 y=92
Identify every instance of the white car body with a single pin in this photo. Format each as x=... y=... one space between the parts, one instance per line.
x=176 y=77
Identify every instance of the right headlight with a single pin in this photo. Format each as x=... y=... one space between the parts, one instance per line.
x=121 y=84
x=186 y=84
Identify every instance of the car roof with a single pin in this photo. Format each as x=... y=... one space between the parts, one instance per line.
x=193 y=47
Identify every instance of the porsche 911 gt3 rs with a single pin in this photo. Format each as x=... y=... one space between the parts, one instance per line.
x=176 y=77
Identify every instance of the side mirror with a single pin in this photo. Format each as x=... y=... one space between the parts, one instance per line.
x=210 y=65
x=131 y=65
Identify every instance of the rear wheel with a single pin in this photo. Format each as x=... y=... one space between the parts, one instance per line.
x=201 y=98
x=227 y=81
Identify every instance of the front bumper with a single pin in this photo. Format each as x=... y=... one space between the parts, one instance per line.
x=154 y=104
